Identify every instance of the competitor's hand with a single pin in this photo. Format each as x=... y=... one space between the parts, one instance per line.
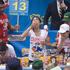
x=59 y=48
x=17 y=27
x=53 y=44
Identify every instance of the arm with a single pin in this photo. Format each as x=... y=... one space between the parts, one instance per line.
x=12 y=28
x=26 y=32
x=59 y=42
x=50 y=44
x=47 y=40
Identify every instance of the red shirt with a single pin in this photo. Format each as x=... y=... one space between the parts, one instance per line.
x=3 y=28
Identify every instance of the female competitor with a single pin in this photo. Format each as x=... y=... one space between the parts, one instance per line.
x=38 y=38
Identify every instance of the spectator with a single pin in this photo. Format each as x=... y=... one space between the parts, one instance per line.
x=5 y=54
x=13 y=64
x=4 y=25
x=37 y=65
x=62 y=39
x=56 y=11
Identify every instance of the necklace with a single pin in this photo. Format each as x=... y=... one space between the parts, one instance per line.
x=38 y=33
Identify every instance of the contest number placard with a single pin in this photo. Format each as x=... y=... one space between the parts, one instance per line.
x=18 y=7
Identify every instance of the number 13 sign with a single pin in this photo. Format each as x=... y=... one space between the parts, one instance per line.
x=18 y=7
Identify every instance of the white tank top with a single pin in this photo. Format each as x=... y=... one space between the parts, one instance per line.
x=35 y=42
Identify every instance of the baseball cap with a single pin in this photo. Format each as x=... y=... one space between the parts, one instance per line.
x=67 y=17
x=37 y=64
x=64 y=28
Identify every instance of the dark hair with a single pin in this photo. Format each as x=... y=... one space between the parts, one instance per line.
x=13 y=64
x=1 y=2
x=37 y=65
x=36 y=17
x=3 y=47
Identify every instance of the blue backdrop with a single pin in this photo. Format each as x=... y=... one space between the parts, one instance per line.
x=24 y=9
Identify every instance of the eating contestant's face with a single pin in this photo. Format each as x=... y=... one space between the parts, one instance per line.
x=36 y=22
